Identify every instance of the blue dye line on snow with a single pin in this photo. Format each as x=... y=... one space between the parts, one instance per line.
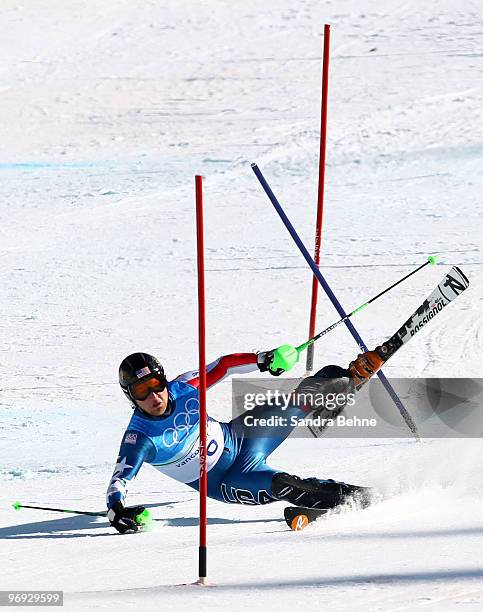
x=42 y=165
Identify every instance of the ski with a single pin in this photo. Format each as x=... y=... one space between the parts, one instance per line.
x=452 y=285
x=297 y=517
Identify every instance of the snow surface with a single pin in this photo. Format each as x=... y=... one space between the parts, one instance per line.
x=107 y=111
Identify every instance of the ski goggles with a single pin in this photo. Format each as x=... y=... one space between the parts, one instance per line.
x=141 y=389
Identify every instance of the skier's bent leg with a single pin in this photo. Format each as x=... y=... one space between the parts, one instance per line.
x=327 y=383
x=251 y=481
x=315 y=493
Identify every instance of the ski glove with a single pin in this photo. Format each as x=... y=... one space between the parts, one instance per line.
x=264 y=359
x=124 y=519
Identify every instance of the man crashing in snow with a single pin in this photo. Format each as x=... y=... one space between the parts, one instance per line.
x=164 y=431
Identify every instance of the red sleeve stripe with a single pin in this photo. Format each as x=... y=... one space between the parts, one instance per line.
x=237 y=363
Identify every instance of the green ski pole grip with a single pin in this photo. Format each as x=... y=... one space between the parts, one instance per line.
x=284 y=357
x=143 y=518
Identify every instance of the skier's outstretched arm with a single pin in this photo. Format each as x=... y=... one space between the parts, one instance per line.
x=228 y=365
x=136 y=448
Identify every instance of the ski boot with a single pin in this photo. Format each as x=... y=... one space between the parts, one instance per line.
x=365 y=366
x=315 y=493
x=334 y=379
x=338 y=381
x=312 y=390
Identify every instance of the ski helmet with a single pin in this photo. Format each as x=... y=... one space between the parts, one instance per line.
x=135 y=367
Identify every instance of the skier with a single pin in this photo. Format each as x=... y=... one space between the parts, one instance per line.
x=164 y=431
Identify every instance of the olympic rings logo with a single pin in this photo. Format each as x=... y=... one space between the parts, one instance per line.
x=182 y=423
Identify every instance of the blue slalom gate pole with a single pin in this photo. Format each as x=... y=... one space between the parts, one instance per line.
x=387 y=385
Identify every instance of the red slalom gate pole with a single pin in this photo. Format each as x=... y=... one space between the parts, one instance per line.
x=320 y=196
x=202 y=377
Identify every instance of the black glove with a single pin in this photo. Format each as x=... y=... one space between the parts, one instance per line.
x=264 y=359
x=124 y=519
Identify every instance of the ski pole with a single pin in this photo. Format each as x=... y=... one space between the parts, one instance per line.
x=18 y=505
x=431 y=260
x=141 y=519
x=286 y=356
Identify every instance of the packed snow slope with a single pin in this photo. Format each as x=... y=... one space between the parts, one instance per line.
x=107 y=112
